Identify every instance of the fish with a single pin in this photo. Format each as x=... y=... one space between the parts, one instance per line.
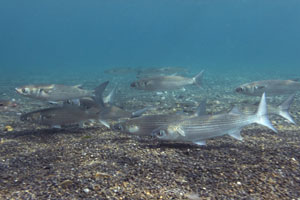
x=144 y=125
x=54 y=92
x=7 y=103
x=280 y=110
x=144 y=72
x=62 y=115
x=67 y=114
x=163 y=83
x=121 y=70
x=271 y=87
x=200 y=128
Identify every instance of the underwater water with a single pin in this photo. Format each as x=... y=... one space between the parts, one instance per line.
x=131 y=43
x=63 y=36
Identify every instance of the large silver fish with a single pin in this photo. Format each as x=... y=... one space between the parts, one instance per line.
x=198 y=129
x=281 y=110
x=162 y=83
x=54 y=92
x=68 y=113
x=271 y=87
x=58 y=116
x=144 y=125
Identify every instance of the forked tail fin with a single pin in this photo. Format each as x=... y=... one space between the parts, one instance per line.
x=99 y=92
x=283 y=109
x=261 y=114
x=198 y=79
x=110 y=97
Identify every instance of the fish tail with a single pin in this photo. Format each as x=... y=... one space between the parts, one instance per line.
x=261 y=114
x=99 y=92
x=110 y=97
x=198 y=79
x=283 y=109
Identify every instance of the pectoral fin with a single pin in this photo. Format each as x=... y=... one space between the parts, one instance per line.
x=78 y=86
x=56 y=126
x=104 y=123
x=236 y=134
x=235 y=110
x=201 y=109
x=140 y=112
x=180 y=131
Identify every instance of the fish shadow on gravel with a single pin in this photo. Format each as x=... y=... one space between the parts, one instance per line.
x=46 y=132
x=209 y=147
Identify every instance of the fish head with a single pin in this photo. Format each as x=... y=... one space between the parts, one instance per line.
x=165 y=133
x=127 y=127
x=118 y=127
x=141 y=84
x=31 y=117
x=250 y=89
x=24 y=90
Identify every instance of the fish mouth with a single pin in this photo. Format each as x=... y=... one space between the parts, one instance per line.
x=18 y=90
x=239 y=89
x=133 y=84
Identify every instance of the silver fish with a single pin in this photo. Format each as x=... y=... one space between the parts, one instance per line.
x=144 y=125
x=87 y=109
x=271 y=87
x=53 y=92
x=58 y=116
x=144 y=72
x=162 y=83
x=281 y=110
x=198 y=129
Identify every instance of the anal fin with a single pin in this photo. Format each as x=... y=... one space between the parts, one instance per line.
x=200 y=143
x=236 y=134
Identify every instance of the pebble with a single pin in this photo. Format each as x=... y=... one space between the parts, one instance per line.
x=86 y=190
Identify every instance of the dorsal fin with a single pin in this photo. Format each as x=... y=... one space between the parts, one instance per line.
x=78 y=86
x=201 y=109
x=98 y=93
x=235 y=110
x=295 y=79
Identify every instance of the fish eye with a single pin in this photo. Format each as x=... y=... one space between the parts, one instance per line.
x=145 y=83
x=118 y=127
x=161 y=133
x=25 y=90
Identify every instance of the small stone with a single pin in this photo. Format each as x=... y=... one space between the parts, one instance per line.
x=8 y=128
x=99 y=175
x=86 y=190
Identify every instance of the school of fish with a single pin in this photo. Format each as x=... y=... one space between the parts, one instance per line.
x=75 y=105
